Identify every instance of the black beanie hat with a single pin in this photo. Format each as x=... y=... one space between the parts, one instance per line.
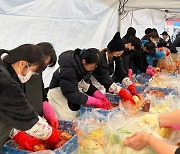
x=116 y=44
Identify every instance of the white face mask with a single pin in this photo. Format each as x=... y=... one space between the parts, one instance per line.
x=25 y=78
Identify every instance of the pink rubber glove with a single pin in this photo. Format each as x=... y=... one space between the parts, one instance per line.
x=151 y=68
x=150 y=72
x=50 y=115
x=99 y=95
x=130 y=74
x=98 y=103
x=175 y=127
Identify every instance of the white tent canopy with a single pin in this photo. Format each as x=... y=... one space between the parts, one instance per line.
x=171 y=5
x=69 y=24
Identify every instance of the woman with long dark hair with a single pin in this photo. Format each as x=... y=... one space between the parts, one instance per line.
x=17 y=67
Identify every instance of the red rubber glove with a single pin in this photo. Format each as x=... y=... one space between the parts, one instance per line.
x=26 y=141
x=50 y=115
x=54 y=138
x=125 y=95
x=132 y=90
x=168 y=52
x=98 y=103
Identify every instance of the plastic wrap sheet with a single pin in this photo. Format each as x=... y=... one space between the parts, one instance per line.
x=167 y=104
x=119 y=126
x=167 y=64
x=90 y=132
x=165 y=80
x=178 y=63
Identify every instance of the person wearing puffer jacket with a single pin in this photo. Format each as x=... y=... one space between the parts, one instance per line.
x=112 y=70
x=37 y=97
x=70 y=87
x=17 y=67
x=138 y=61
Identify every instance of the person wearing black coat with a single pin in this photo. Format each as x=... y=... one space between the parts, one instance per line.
x=138 y=61
x=112 y=70
x=167 y=39
x=34 y=89
x=16 y=67
x=70 y=86
x=176 y=43
x=126 y=54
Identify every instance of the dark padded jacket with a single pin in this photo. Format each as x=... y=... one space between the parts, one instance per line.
x=67 y=77
x=15 y=111
x=138 y=61
x=103 y=73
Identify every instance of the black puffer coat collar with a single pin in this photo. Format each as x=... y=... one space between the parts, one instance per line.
x=71 y=59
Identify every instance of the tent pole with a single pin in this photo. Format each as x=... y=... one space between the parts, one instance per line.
x=119 y=23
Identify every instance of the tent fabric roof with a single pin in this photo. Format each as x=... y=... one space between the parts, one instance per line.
x=171 y=5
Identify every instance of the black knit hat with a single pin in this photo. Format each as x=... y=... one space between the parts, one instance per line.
x=116 y=44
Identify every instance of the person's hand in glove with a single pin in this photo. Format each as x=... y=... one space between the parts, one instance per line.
x=97 y=94
x=50 y=115
x=151 y=70
x=130 y=86
x=132 y=90
x=168 y=52
x=98 y=103
x=54 y=137
x=26 y=141
x=130 y=73
x=44 y=131
x=124 y=94
x=150 y=119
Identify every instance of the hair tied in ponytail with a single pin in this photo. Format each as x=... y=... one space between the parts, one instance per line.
x=3 y=53
x=82 y=51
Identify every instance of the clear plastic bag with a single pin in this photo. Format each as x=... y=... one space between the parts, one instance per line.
x=119 y=126
x=178 y=62
x=43 y=152
x=89 y=128
x=167 y=64
x=165 y=80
